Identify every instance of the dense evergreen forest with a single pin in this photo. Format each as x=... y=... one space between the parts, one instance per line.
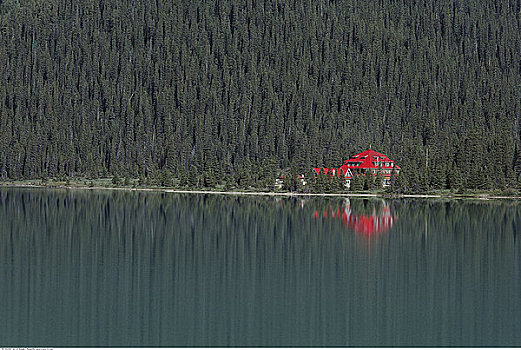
x=219 y=91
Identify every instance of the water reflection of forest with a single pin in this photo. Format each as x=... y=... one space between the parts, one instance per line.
x=114 y=268
x=364 y=217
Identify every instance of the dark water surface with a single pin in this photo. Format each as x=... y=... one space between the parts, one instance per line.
x=81 y=268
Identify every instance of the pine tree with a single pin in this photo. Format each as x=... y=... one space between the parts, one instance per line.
x=379 y=180
x=357 y=183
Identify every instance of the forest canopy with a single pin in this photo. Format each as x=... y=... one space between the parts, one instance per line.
x=237 y=91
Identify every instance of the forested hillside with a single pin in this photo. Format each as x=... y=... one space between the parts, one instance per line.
x=237 y=90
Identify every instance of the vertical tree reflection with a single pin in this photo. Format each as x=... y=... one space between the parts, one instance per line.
x=152 y=269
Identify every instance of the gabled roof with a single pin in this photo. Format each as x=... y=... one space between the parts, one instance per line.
x=369 y=160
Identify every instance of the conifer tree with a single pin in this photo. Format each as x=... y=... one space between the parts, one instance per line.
x=357 y=183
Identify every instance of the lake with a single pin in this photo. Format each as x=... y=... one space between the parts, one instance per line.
x=119 y=268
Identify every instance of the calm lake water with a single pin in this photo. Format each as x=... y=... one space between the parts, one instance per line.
x=87 y=268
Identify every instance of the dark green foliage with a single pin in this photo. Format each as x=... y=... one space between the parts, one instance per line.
x=378 y=181
x=208 y=179
x=357 y=183
x=333 y=184
x=291 y=183
x=339 y=184
x=116 y=180
x=165 y=178
x=324 y=183
x=368 y=182
x=399 y=184
x=192 y=178
x=143 y=181
x=313 y=183
x=241 y=89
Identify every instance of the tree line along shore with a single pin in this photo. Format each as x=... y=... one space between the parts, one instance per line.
x=234 y=94
x=174 y=187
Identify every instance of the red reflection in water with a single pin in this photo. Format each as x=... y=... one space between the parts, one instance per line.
x=376 y=223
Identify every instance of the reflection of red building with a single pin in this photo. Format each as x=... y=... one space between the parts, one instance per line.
x=367 y=162
x=365 y=224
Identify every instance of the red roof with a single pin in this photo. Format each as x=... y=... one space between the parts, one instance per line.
x=369 y=160
x=366 y=160
x=331 y=171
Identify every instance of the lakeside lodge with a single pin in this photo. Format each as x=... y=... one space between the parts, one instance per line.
x=366 y=163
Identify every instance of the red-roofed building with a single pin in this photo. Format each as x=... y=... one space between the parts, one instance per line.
x=365 y=163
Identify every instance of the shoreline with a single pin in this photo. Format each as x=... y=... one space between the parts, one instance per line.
x=480 y=196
